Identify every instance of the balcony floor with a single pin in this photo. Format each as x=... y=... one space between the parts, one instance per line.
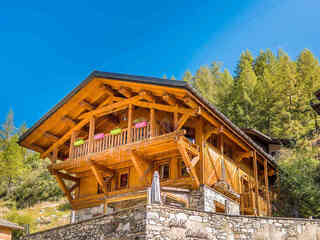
x=150 y=149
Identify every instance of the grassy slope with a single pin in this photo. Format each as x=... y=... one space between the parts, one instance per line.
x=45 y=215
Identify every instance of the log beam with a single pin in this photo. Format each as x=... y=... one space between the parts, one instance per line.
x=51 y=136
x=147 y=96
x=163 y=107
x=125 y=92
x=107 y=89
x=191 y=103
x=169 y=99
x=182 y=121
x=256 y=182
x=188 y=163
x=103 y=110
x=69 y=121
x=266 y=182
x=84 y=103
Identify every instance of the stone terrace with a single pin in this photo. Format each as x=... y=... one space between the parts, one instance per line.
x=171 y=223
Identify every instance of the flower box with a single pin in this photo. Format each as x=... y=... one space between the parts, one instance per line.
x=140 y=124
x=115 y=131
x=78 y=142
x=98 y=136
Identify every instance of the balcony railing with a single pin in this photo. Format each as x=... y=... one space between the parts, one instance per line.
x=110 y=141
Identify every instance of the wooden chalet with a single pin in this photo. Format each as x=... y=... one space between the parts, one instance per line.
x=107 y=137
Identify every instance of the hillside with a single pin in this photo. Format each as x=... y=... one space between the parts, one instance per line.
x=41 y=216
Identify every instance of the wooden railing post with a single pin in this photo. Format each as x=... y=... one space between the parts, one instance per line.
x=266 y=182
x=256 y=182
x=152 y=122
x=91 y=134
x=72 y=140
x=130 y=123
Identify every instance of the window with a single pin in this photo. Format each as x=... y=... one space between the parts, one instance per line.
x=183 y=169
x=123 y=179
x=107 y=183
x=164 y=171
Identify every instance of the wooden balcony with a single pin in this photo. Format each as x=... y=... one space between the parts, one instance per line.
x=112 y=150
x=110 y=141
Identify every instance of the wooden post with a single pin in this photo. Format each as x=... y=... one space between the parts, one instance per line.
x=130 y=123
x=174 y=168
x=256 y=182
x=91 y=133
x=266 y=182
x=175 y=120
x=55 y=155
x=152 y=122
x=199 y=142
x=221 y=147
x=105 y=207
x=72 y=140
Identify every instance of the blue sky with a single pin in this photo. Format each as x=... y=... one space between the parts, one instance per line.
x=48 y=48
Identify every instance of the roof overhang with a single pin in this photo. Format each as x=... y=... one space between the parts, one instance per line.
x=172 y=84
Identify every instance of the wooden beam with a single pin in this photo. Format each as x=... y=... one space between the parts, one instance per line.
x=211 y=131
x=38 y=148
x=101 y=111
x=73 y=139
x=65 y=176
x=69 y=121
x=55 y=155
x=51 y=136
x=125 y=92
x=147 y=96
x=191 y=103
x=87 y=105
x=91 y=133
x=194 y=161
x=140 y=165
x=74 y=187
x=130 y=123
x=152 y=122
x=215 y=172
x=188 y=163
x=182 y=121
x=99 y=178
x=163 y=107
x=107 y=89
x=78 y=127
x=105 y=170
x=169 y=99
x=256 y=182
x=225 y=131
x=64 y=188
x=266 y=182
x=243 y=155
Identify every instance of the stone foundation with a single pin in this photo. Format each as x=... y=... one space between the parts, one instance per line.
x=206 y=198
x=126 y=224
x=171 y=223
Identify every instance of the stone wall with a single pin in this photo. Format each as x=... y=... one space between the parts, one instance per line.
x=205 y=198
x=167 y=223
x=126 y=224
x=156 y=222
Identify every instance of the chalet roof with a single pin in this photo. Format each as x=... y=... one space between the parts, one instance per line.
x=154 y=81
x=261 y=136
x=7 y=224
